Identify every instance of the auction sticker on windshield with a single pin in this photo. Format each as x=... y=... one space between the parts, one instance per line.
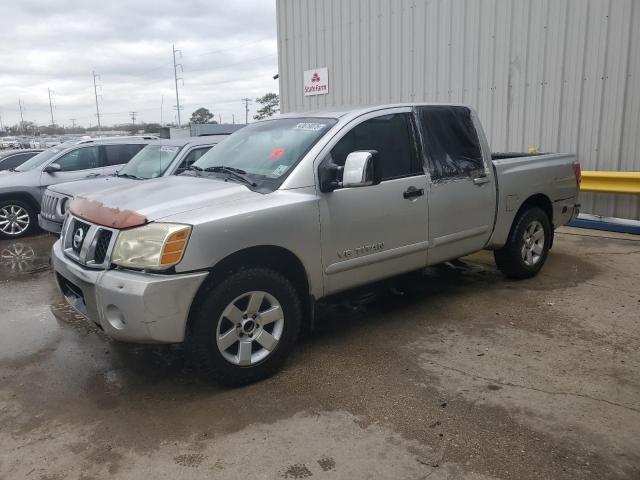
x=280 y=170
x=311 y=127
x=168 y=149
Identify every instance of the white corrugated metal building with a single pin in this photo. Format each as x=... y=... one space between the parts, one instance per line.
x=559 y=75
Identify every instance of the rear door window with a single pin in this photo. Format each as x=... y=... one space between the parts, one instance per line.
x=83 y=158
x=392 y=137
x=120 y=154
x=451 y=142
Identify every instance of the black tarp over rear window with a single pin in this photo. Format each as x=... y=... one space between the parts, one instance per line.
x=451 y=142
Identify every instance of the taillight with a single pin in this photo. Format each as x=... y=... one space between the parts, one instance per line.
x=578 y=172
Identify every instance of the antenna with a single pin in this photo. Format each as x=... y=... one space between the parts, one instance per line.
x=21 y=116
x=246 y=110
x=53 y=122
x=95 y=91
x=175 y=77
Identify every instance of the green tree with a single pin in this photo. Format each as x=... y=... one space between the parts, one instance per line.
x=270 y=106
x=202 y=115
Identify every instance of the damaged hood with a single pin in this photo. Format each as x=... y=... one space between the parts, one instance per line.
x=154 y=199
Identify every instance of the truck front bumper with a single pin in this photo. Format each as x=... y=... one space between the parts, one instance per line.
x=49 y=225
x=128 y=306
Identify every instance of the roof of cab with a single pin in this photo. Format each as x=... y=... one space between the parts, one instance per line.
x=340 y=112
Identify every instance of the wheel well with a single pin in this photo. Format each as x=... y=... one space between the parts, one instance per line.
x=539 y=200
x=23 y=197
x=268 y=256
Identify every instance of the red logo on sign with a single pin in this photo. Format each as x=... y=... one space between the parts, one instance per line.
x=315 y=78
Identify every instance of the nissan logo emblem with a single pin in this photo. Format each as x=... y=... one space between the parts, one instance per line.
x=78 y=237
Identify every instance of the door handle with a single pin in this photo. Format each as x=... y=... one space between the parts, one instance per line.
x=481 y=180
x=413 y=192
x=92 y=175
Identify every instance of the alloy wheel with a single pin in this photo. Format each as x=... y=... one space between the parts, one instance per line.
x=250 y=328
x=14 y=220
x=533 y=243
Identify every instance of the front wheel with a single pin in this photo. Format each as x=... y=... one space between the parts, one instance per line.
x=527 y=247
x=246 y=326
x=17 y=219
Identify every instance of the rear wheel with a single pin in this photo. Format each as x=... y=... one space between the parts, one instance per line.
x=246 y=326
x=528 y=245
x=17 y=219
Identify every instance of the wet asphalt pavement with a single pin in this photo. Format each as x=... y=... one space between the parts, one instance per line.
x=466 y=375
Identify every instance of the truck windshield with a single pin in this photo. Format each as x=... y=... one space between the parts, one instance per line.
x=266 y=151
x=39 y=159
x=150 y=162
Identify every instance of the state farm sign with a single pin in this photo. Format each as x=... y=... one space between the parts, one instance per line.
x=316 y=81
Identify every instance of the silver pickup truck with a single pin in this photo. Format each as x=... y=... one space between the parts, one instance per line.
x=232 y=257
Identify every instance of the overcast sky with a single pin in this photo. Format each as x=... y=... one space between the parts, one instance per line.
x=229 y=52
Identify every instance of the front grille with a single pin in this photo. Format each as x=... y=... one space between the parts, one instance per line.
x=48 y=209
x=86 y=243
x=102 y=245
x=53 y=206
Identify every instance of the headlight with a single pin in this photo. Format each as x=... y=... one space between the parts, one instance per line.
x=156 y=246
x=64 y=205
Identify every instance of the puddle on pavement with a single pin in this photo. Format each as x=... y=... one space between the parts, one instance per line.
x=24 y=257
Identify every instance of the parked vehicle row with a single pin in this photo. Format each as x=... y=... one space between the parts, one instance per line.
x=231 y=256
x=162 y=158
x=10 y=142
x=21 y=188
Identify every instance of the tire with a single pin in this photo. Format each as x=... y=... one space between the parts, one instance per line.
x=17 y=219
x=219 y=333
x=528 y=245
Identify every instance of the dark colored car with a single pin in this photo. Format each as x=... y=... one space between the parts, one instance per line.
x=10 y=159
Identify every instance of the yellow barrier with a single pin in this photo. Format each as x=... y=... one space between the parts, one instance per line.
x=610 y=182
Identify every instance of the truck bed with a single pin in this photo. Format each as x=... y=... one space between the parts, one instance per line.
x=520 y=176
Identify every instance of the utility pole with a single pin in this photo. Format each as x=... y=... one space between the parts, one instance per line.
x=175 y=77
x=133 y=117
x=21 y=116
x=53 y=122
x=1 y=125
x=161 y=105
x=246 y=110
x=95 y=92
x=233 y=118
x=219 y=118
x=73 y=123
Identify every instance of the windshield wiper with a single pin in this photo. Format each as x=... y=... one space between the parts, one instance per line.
x=233 y=172
x=128 y=175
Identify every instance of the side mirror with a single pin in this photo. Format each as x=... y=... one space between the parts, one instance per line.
x=52 y=168
x=362 y=169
